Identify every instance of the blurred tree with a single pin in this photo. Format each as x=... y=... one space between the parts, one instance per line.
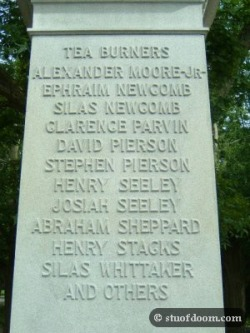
x=14 y=60
x=229 y=66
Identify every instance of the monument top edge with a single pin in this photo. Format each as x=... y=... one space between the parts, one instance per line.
x=209 y=6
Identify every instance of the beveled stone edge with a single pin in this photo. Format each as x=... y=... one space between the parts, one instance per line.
x=211 y=7
x=34 y=32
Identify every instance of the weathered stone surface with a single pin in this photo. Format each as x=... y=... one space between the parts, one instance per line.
x=118 y=206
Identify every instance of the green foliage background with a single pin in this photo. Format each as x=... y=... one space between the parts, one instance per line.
x=14 y=62
x=229 y=69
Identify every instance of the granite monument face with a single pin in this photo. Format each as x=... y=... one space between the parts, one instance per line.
x=117 y=212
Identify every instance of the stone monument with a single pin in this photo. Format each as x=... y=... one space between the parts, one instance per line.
x=117 y=212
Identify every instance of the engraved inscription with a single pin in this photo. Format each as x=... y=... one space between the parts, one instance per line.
x=72 y=226
x=72 y=247
x=116 y=127
x=80 y=291
x=136 y=291
x=142 y=108
x=155 y=165
x=87 y=126
x=75 y=90
x=147 y=185
x=59 y=269
x=129 y=52
x=81 y=205
x=77 y=52
x=79 y=165
x=160 y=226
x=88 y=185
x=146 y=269
x=137 y=89
x=146 y=205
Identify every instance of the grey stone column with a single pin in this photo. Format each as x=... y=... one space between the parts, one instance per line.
x=117 y=213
